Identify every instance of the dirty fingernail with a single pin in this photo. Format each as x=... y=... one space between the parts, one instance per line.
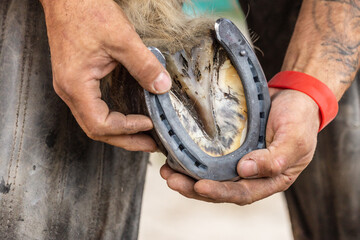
x=248 y=168
x=162 y=83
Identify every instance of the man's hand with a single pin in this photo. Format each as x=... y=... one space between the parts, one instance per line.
x=291 y=139
x=87 y=40
x=326 y=45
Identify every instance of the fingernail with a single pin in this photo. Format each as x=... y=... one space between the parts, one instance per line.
x=162 y=83
x=248 y=168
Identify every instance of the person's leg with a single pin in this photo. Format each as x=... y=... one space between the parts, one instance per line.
x=55 y=183
x=324 y=202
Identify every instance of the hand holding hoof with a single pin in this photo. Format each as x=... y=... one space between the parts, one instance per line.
x=82 y=54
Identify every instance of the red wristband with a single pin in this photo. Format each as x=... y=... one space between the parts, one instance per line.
x=312 y=87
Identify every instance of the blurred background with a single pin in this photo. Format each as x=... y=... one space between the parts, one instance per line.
x=168 y=215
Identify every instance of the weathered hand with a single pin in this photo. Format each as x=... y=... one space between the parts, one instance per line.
x=291 y=139
x=87 y=40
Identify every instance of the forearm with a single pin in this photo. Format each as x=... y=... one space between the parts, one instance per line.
x=326 y=41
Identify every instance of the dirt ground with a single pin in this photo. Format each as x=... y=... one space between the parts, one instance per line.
x=168 y=215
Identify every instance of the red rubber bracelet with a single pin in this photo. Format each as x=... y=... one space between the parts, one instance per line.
x=312 y=87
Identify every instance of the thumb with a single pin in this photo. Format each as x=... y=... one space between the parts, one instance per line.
x=142 y=63
x=287 y=149
x=262 y=163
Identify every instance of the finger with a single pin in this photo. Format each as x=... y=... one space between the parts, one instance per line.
x=244 y=191
x=136 y=142
x=285 y=151
x=94 y=116
x=185 y=186
x=146 y=69
x=130 y=51
x=181 y=183
x=166 y=171
x=287 y=144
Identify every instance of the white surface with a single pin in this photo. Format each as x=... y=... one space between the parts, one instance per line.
x=166 y=215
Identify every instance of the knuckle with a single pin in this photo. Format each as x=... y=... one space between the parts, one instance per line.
x=247 y=196
x=278 y=166
x=244 y=196
x=275 y=169
x=93 y=135
x=123 y=125
x=268 y=167
x=64 y=85
x=57 y=88
x=63 y=91
x=132 y=144
x=94 y=130
x=128 y=125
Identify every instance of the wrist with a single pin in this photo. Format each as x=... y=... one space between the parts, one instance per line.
x=314 y=88
x=298 y=111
